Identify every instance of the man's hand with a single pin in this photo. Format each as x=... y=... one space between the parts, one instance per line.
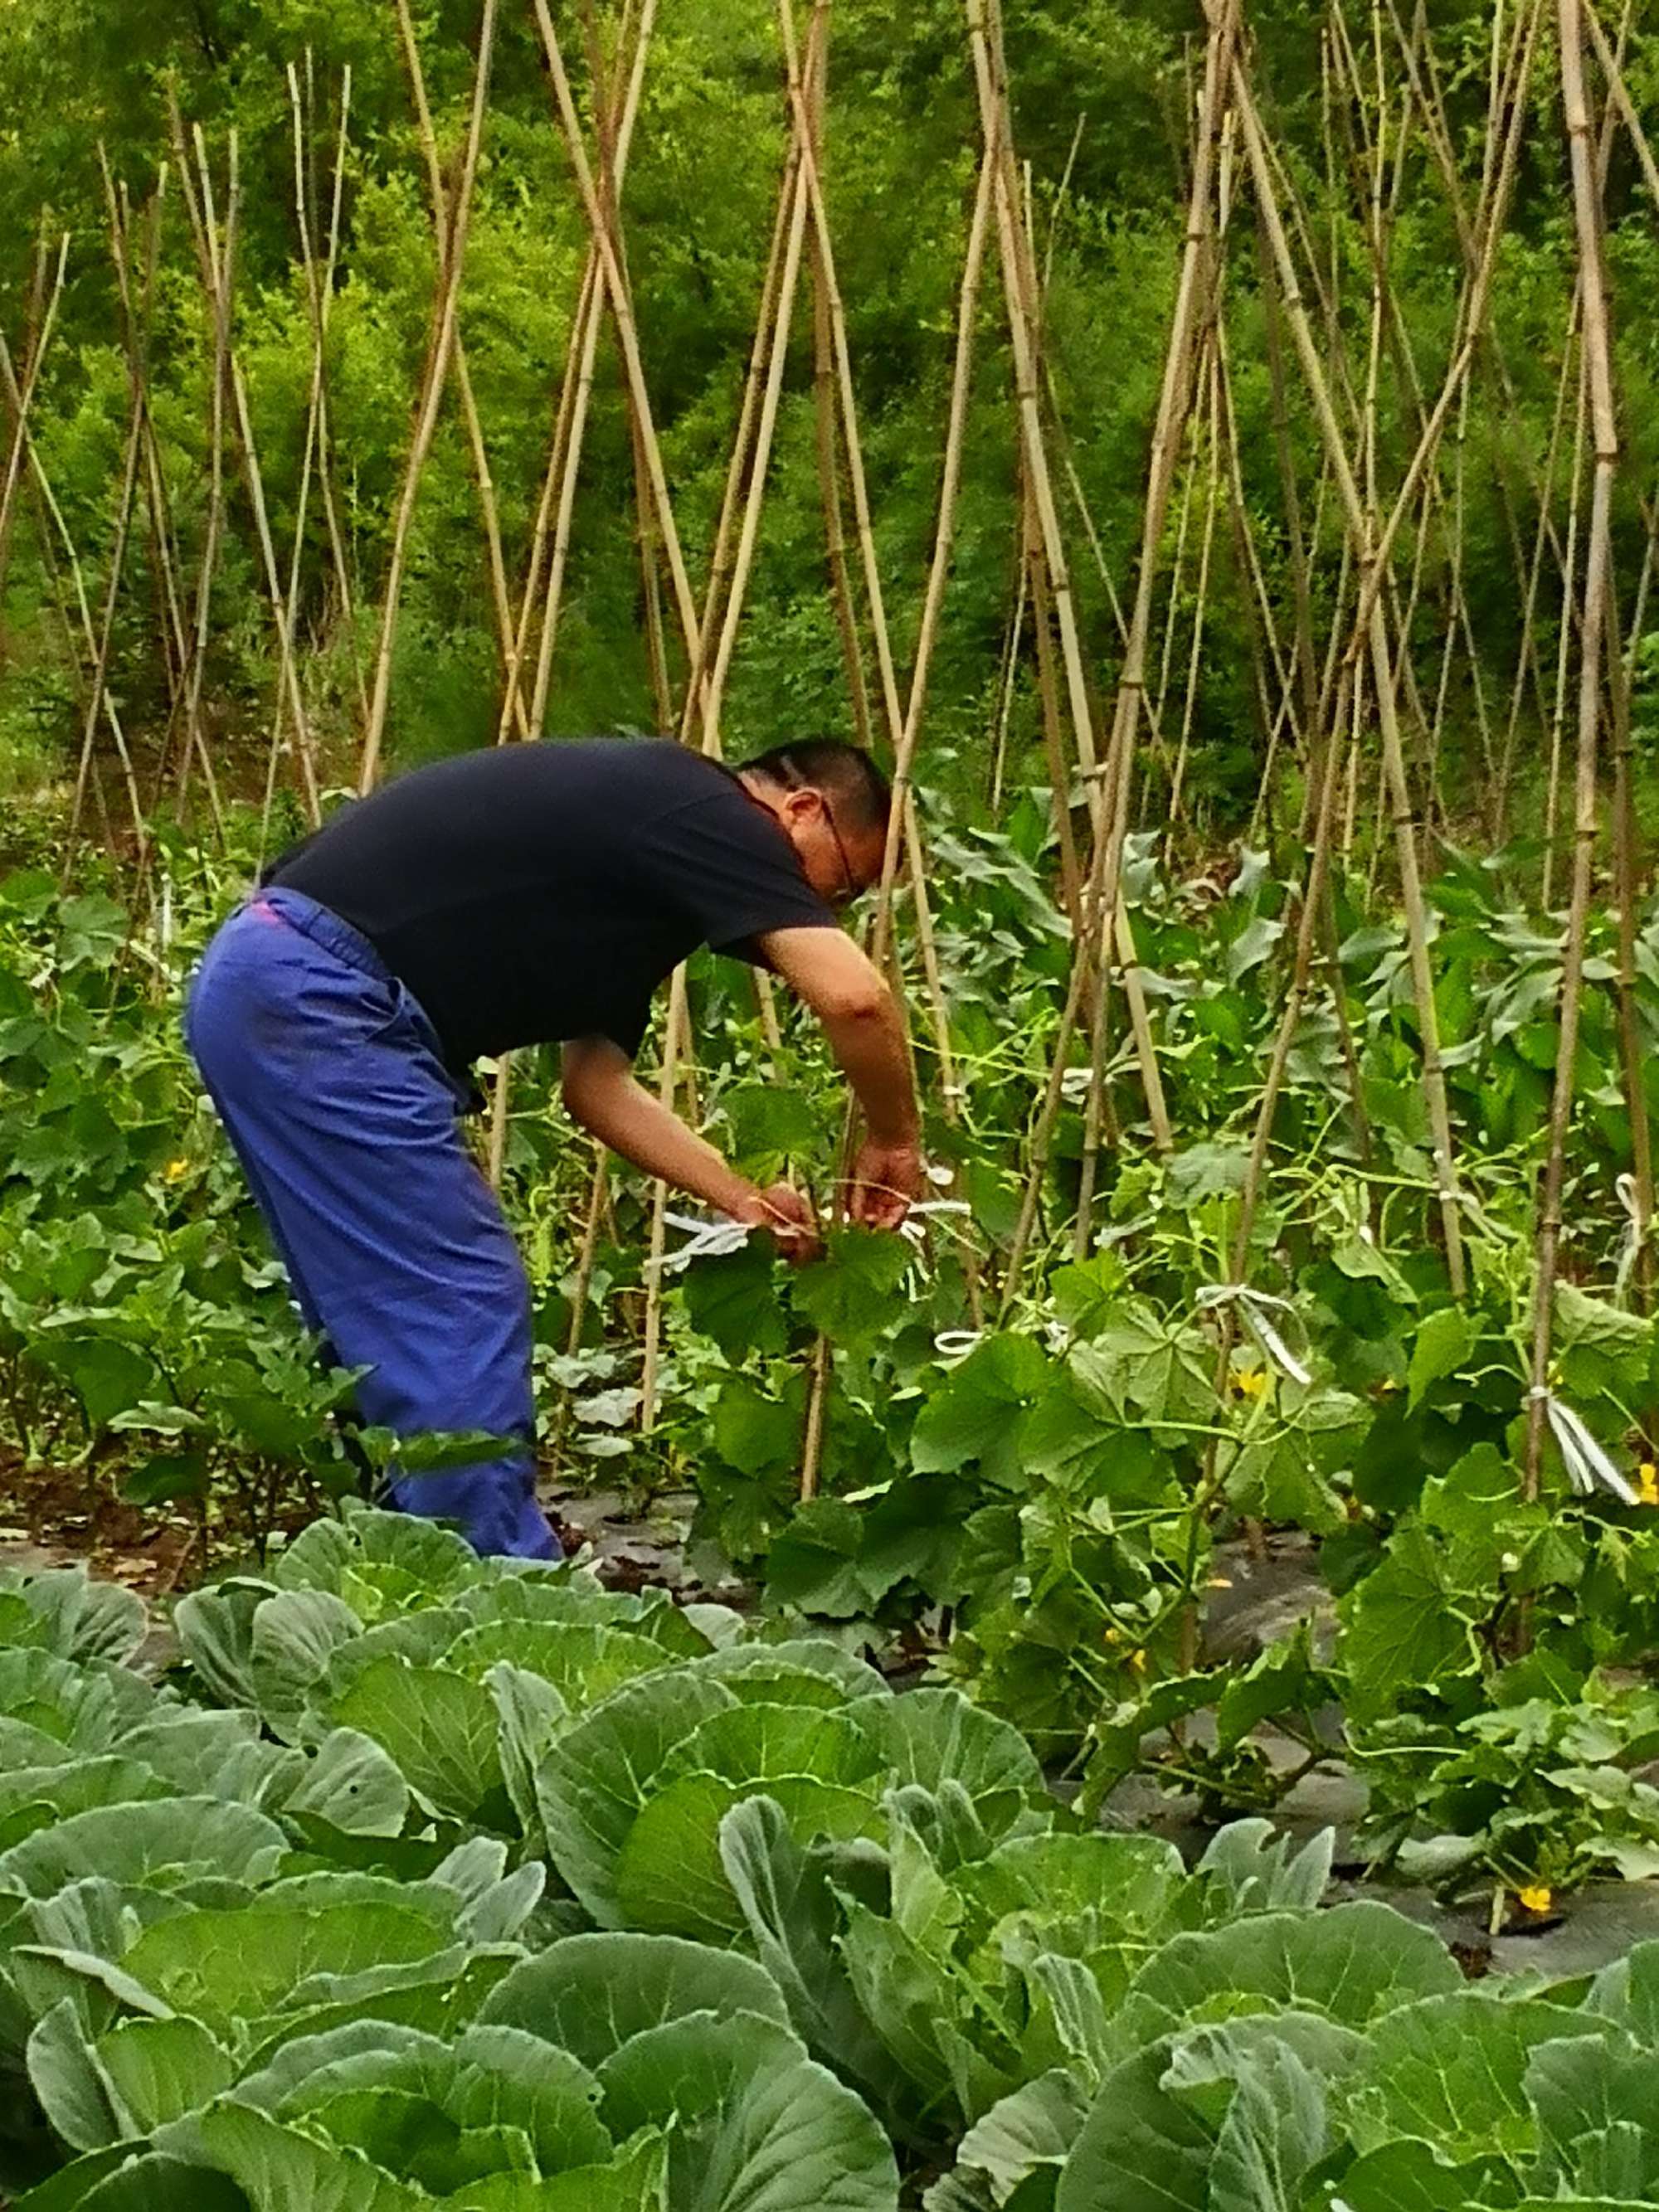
x=862 y=1021
x=886 y=1177
x=786 y=1215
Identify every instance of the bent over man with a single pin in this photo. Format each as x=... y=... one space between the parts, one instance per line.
x=526 y=895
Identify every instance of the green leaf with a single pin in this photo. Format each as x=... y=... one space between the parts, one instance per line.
x=68 y=2082
x=1277 y=2126
x=1404 y=1625
x=669 y=1876
x=1351 y=1964
x=759 y=2124
x=849 y=1295
x=977 y=1412
x=237 y=1965
x=789 y=1905
x=161 y=2070
x=590 y=1994
x=1030 y=2132
x=755 y=1433
x=439 y=1728
x=281 y=2170
x=594 y=1780
x=1413 y=2177
x=930 y=1736
x=1142 y=2149
x=350 y=1783
x=735 y=1301
x=1444 y=1341
x=1453 y=2069
x=169 y=1842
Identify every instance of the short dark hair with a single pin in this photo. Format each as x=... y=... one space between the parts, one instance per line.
x=846 y=775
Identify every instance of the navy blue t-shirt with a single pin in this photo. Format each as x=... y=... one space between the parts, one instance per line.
x=533 y=893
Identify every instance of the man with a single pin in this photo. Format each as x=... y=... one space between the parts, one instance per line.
x=529 y=894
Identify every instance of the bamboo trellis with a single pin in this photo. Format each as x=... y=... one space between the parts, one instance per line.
x=1332 y=595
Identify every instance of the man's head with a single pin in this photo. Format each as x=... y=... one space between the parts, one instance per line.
x=832 y=803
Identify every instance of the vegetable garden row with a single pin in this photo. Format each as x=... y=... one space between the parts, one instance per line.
x=415 y=1880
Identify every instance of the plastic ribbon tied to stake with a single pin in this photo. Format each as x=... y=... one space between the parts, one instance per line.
x=1636 y=1234
x=1588 y=1468
x=1257 y=1309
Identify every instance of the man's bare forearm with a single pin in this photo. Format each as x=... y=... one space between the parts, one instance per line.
x=625 y=1116
x=868 y=1042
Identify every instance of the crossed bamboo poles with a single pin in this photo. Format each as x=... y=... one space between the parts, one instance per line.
x=1316 y=708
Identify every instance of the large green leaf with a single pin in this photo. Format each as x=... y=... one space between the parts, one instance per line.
x=82 y=1619
x=439 y=1728
x=169 y=1842
x=1024 y=2134
x=233 y=1967
x=88 y=1706
x=760 y=2126
x=594 y=1780
x=446 y=2115
x=117 y=2181
x=1142 y=2148
x=161 y=2070
x=592 y=1994
x=1406 y=1626
x=1351 y=1964
x=788 y=1905
x=1412 y=2175
x=669 y=1874
x=803 y=1670
x=1453 y=2069
x=931 y=1736
x=585 y=1660
x=1596 y=2100
x=978 y=1412
x=433 y=1559
x=281 y=2170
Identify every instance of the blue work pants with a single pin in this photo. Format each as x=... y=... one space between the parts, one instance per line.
x=329 y=1080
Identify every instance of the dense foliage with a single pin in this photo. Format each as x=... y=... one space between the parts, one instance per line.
x=424 y=1881
x=1057 y=1476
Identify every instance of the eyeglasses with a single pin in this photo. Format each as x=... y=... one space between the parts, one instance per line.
x=845 y=896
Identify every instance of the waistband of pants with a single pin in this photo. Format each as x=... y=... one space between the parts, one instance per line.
x=275 y=902
x=324 y=927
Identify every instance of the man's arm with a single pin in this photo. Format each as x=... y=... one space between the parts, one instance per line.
x=860 y=1018
x=601 y=1094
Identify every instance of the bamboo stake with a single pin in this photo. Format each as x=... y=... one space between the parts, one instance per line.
x=622 y=315
x=1111 y=814
x=319 y=301
x=96 y=650
x=431 y=400
x=1598 y=358
x=43 y=316
x=823 y=415
x=1367 y=548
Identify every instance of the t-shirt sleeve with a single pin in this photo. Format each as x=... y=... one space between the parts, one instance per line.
x=731 y=871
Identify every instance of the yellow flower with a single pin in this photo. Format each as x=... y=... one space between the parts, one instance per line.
x=1536 y=1898
x=174 y=1168
x=1647 y=1483
x=1249 y=1382
x=1138 y=1662
x=1110 y=1636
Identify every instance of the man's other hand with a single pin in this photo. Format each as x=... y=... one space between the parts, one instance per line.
x=786 y=1215
x=886 y=1177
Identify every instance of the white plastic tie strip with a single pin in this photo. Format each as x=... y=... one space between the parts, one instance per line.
x=1257 y=1309
x=718 y=1237
x=1636 y=1234
x=1588 y=1468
